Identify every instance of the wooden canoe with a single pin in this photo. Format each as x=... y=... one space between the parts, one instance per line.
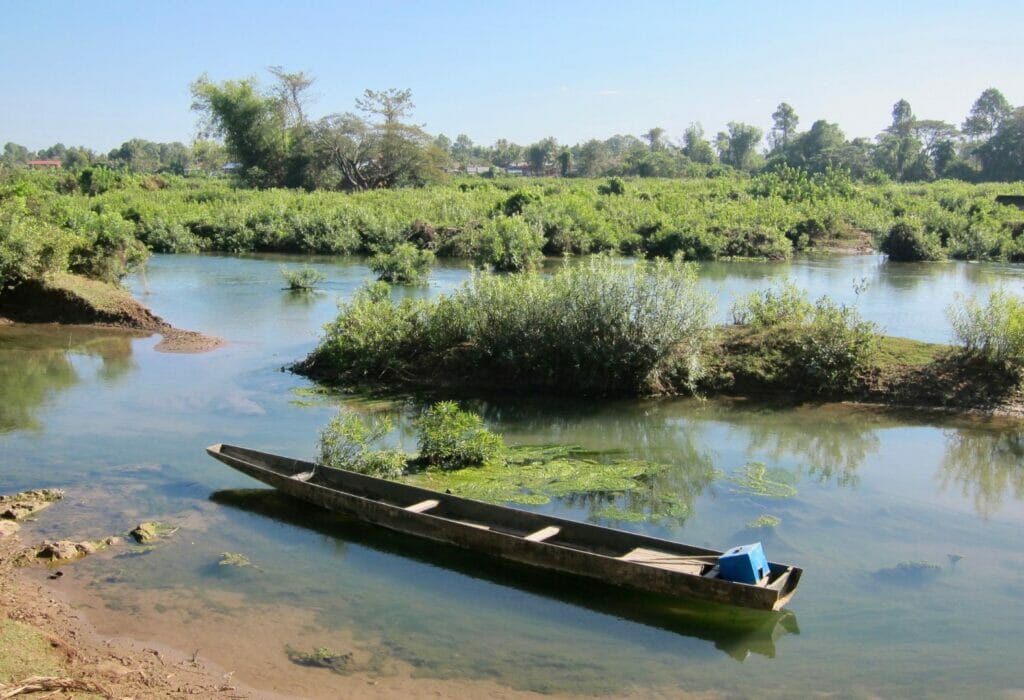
x=612 y=556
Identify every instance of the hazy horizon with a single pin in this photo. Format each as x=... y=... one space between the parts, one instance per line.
x=99 y=74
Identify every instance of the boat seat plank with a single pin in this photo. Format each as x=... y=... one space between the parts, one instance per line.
x=543 y=534
x=423 y=505
x=665 y=560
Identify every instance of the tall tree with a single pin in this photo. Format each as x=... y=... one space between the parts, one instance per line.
x=655 y=138
x=784 y=122
x=739 y=146
x=252 y=125
x=695 y=146
x=988 y=113
x=1002 y=156
x=291 y=92
x=540 y=155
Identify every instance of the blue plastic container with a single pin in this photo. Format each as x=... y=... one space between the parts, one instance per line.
x=746 y=564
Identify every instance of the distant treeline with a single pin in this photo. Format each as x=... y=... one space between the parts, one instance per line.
x=265 y=136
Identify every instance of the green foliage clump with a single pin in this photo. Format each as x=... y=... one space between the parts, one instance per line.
x=615 y=185
x=373 y=339
x=601 y=327
x=403 y=264
x=451 y=438
x=303 y=278
x=787 y=305
x=822 y=347
x=347 y=443
x=907 y=241
x=509 y=244
x=828 y=353
x=993 y=331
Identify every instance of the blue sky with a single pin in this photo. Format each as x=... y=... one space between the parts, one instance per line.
x=98 y=73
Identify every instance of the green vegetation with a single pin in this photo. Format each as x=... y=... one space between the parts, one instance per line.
x=347 y=443
x=459 y=455
x=302 y=278
x=594 y=328
x=403 y=264
x=321 y=657
x=764 y=522
x=993 y=331
x=451 y=438
x=755 y=479
x=821 y=347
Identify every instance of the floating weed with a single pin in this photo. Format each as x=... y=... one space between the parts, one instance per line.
x=533 y=475
x=764 y=521
x=756 y=479
x=909 y=573
x=233 y=559
x=321 y=657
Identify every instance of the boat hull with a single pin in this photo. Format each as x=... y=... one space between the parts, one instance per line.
x=577 y=548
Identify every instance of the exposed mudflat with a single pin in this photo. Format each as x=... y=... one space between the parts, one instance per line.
x=72 y=300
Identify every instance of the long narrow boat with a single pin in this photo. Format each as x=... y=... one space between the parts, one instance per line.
x=613 y=556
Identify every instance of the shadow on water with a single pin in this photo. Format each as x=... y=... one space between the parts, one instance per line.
x=735 y=631
x=35 y=364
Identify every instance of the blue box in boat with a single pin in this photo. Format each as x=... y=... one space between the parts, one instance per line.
x=746 y=564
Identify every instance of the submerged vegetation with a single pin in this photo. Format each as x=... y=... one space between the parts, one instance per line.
x=458 y=455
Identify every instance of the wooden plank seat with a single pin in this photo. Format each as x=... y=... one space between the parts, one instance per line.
x=666 y=560
x=423 y=505
x=543 y=534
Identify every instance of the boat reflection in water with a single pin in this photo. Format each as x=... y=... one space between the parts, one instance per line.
x=734 y=630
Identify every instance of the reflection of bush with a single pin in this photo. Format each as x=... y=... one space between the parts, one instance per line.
x=985 y=465
x=34 y=365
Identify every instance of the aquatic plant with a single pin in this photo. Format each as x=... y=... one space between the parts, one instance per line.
x=451 y=438
x=348 y=443
x=755 y=479
x=764 y=521
x=233 y=559
x=403 y=264
x=302 y=279
x=321 y=657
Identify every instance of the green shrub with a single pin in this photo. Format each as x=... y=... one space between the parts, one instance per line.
x=404 y=264
x=906 y=241
x=373 y=338
x=347 y=443
x=829 y=352
x=772 y=307
x=509 y=244
x=600 y=327
x=451 y=438
x=994 y=330
x=615 y=185
x=302 y=278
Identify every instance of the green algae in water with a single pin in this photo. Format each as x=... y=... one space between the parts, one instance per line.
x=755 y=479
x=321 y=657
x=233 y=559
x=533 y=475
x=764 y=521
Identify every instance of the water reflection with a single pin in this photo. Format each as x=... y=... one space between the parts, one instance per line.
x=735 y=631
x=985 y=466
x=36 y=363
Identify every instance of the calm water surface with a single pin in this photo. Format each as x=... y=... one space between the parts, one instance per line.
x=123 y=429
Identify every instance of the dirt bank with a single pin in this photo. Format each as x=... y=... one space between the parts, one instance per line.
x=73 y=300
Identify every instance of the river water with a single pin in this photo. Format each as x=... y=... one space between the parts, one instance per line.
x=908 y=526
